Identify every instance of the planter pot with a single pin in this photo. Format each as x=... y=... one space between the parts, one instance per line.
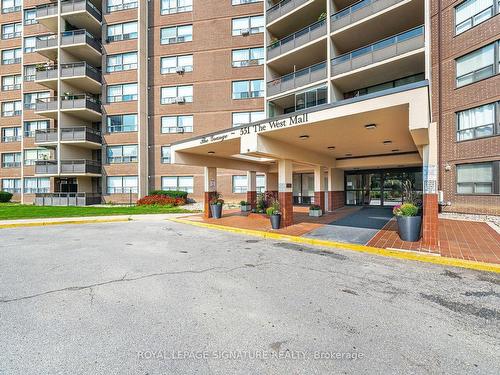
x=246 y=208
x=275 y=221
x=409 y=227
x=216 y=210
x=315 y=213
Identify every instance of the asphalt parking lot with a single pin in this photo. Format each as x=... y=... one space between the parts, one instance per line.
x=157 y=297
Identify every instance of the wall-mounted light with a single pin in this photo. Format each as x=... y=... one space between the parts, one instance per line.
x=447 y=167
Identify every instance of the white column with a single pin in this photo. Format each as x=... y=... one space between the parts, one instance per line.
x=251 y=181
x=210 y=179
x=285 y=176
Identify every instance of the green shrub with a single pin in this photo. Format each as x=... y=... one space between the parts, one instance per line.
x=5 y=196
x=243 y=203
x=170 y=193
x=406 y=209
x=269 y=211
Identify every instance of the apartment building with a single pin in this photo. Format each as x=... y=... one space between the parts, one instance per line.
x=466 y=103
x=93 y=93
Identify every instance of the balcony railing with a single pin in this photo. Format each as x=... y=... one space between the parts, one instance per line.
x=379 y=51
x=80 y=167
x=46 y=104
x=11 y=164
x=80 y=69
x=80 y=37
x=46 y=135
x=11 y=138
x=46 y=41
x=297 y=39
x=68 y=6
x=80 y=134
x=297 y=79
x=46 y=167
x=46 y=10
x=282 y=8
x=81 y=101
x=46 y=72
x=67 y=199
x=359 y=11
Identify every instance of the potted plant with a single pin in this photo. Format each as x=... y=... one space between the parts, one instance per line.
x=245 y=206
x=274 y=213
x=216 y=203
x=315 y=211
x=409 y=221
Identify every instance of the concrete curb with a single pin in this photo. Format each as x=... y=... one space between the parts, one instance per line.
x=63 y=222
x=479 y=266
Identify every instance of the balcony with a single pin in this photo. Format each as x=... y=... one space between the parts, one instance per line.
x=46 y=45
x=80 y=167
x=46 y=14
x=46 y=167
x=282 y=8
x=82 y=45
x=385 y=49
x=297 y=79
x=67 y=199
x=82 y=75
x=298 y=39
x=46 y=75
x=82 y=14
x=47 y=107
x=84 y=136
x=358 y=11
x=84 y=106
x=45 y=137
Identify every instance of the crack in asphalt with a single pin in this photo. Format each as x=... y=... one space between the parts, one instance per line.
x=124 y=278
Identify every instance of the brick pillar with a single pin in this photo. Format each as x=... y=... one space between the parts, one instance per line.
x=252 y=198
x=336 y=194
x=336 y=200
x=430 y=221
x=207 y=214
x=319 y=199
x=210 y=185
x=286 y=203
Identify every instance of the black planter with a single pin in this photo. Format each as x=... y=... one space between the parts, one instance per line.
x=216 y=210
x=409 y=227
x=275 y=221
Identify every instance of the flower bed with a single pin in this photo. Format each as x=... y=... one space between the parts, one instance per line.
x=160 y=200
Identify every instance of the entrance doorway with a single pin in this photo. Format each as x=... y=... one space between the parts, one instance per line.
x=303 y=188
x=381 y=187
x=66 y=185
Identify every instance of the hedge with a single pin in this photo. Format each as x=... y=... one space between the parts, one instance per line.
x=170 y=193
x=5 y=196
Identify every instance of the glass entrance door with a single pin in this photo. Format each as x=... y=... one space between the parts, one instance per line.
x=364 y=189
x=303 y=188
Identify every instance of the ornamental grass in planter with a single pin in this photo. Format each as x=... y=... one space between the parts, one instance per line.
x=216 y=203
x=409 y=221
x=274 y=213
x=315 y=211
x=245 y=206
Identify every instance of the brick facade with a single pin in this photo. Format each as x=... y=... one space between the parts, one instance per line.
x=286 y=203
x=336 y=200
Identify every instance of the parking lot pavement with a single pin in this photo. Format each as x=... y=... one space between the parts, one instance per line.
x=159 y=297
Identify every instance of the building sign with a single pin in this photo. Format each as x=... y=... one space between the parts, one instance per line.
x=258 y=128
x=430 y=179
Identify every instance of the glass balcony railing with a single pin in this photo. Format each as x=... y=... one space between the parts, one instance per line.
x=46 y=10
x=282 y=8
x=46 y=41
x=80 y=37
x=81 y=101
x=67 y=199
x=46 y=72
x=302 y=77
x=382 y=50
x=79 y=69
x=69 y=6
x=359 y=11
x=46 y=136
x=80 y=167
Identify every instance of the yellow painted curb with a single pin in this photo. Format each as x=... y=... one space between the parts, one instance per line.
x=47 y=223
x=453 y=262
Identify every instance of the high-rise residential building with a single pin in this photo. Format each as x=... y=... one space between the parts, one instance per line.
x=94 y=92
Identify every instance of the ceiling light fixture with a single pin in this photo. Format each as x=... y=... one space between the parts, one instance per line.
x=305 y=136
x=395 y=150
x=331 y=147
x=370 y=126
x=348 y=154
x=211 y=152
x=386 y=142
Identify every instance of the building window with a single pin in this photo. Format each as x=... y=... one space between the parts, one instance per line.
x=30 y=127
x=471 y=13
x=122 y=123
x=177 y=94
x=241 y=2
x=177 y=124
x=165 y=155
x=12 y=82
x=121 y=62
x=180 y=183
x=11 y=185
x=10 y=109
x=385 y=86
x=176 y=64
x=32 y=155
x=9 y=6
x=30 y=17
x=121 y=184
x=31 y=98
x=478 y=178
x=29 y=44
x=240 y=184
x=311 y=98
x=176 y=6
x=243 y=118
x=29 y=72
x=248 y=25
x=11 y=160
x=477 y=122
x=12 y=134
x=11 y=30
x=33 y=185
x=11 y=56
x=121 y=154
x=476 y=65
x=116 y=5
x=122 y=93
x=122 y=31
x=248 y=89
x=248 y=57
x=176 y=34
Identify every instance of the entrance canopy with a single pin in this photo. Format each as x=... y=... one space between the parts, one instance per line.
x=385 y=129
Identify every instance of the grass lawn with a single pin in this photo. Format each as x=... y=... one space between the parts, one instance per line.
x=11 y=211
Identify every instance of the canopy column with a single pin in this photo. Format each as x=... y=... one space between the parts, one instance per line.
x=285 y=191
x=210 y=183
